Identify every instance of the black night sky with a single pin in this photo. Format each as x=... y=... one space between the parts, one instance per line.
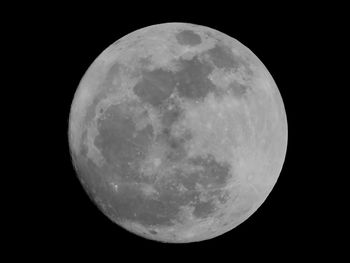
x=63 y=221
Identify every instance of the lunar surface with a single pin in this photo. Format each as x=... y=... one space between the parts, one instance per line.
x=178 y=132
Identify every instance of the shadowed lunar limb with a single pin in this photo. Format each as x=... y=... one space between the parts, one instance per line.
x=181 y=141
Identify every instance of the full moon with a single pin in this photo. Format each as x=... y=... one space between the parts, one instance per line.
x=177 y=132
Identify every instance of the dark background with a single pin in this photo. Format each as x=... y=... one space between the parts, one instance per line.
x=62 y=42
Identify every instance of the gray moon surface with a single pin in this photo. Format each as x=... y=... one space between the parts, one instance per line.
x=178 y=132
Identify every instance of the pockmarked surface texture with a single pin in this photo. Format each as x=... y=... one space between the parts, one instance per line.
x=178 y=132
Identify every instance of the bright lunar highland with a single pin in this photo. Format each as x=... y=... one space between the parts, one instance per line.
x=178 y=132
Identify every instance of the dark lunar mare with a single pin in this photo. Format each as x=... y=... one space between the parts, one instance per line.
x=123 y=148
x=155 y=86
x=172 y=115
x=222 y=57
x=188 y=37
x=192 y=80
x=120 y=144
x=238 y=90
x=214 y=172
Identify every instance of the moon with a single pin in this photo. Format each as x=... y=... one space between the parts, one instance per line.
x=178 y=132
